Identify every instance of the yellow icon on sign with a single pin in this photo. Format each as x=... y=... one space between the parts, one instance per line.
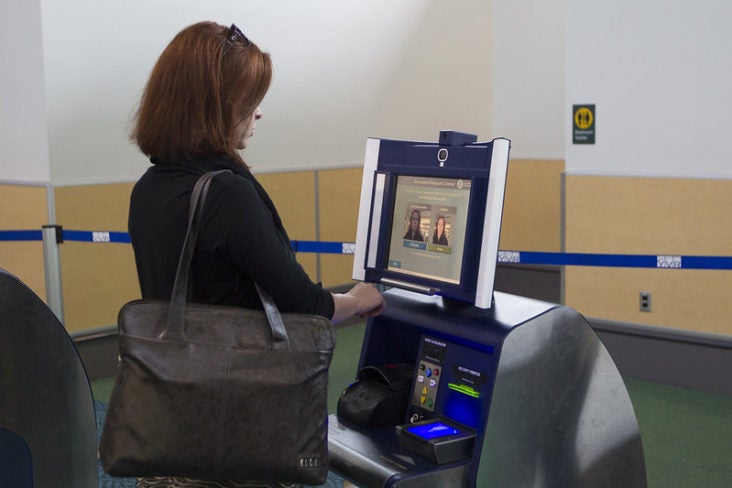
x=583 y=118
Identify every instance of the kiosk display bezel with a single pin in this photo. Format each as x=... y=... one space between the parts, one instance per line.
x=461 y=284
x=467 y=267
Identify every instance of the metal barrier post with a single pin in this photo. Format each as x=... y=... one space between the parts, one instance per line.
x=52 y=237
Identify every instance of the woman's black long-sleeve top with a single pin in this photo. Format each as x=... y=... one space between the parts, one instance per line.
x=241 y=239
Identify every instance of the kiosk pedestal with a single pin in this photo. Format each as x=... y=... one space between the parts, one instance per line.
x=536 y=399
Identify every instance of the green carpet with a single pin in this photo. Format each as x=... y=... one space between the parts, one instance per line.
x=687 y=435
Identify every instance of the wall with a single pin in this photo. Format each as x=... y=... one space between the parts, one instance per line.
x=340 y=70
x=24 y=207
x=643 y=215
x=97 y=278
x=532 y=211
x=528 y=76
x=658 y=179
x=407 y=70
x=23 y=133
x=24 y=167
x=659 y=73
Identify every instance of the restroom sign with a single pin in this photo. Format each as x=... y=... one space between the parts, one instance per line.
x=583 y=124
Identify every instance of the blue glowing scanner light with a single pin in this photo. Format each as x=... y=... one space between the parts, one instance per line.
x=433 y=430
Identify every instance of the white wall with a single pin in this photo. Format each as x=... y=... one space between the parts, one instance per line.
x=528 y=76
x=344 y=71
x=443 y=79
x=23 y=133
x=660 y=74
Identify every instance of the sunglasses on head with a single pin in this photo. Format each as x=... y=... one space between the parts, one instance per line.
x=235 y=34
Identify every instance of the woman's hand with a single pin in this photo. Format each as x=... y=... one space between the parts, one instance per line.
x=363 y=300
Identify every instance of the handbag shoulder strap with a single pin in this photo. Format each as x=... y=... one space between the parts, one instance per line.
x=279 y=332
x=176 y=310
x=195 y=211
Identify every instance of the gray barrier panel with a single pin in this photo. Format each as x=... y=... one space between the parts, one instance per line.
x=45 y=396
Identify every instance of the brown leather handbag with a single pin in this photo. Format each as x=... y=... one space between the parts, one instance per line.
x=218 y=392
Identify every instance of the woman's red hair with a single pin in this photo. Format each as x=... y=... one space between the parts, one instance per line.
x=196 y=95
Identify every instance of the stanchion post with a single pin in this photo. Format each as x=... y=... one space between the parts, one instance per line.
x=52 y=237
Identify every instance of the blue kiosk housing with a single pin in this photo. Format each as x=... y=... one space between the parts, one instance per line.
x=502 y=390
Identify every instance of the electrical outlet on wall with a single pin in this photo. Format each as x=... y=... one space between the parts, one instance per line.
x=645 y=301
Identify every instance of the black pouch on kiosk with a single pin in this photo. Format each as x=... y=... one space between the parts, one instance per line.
x=379 y=397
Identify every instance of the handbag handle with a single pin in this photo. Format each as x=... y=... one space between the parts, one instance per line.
x=176 y=310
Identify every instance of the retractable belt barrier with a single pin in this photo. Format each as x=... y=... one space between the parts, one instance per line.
x=504 y=256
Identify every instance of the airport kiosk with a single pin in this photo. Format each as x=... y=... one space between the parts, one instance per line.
x=458 y=386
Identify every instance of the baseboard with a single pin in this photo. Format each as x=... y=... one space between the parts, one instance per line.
x=668 y=356
x=540 y=282
x=98 y=350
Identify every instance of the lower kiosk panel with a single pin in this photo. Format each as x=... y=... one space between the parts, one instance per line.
x=523 y=394
x=375 y=458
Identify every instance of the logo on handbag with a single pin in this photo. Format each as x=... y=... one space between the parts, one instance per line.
x=309 y=462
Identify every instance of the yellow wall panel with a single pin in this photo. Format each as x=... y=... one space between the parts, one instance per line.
x=633 y=215
x=695 y=300
x=648 y=215
x=24 y=208
x=24 y=260
x=336 y=270
x=339 y=193
x=97 y=278
x=532 y=206
x=339 y=197
x=294 y=196
x=93 y=207
x=293 y=193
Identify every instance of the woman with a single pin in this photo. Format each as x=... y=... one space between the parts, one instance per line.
x=413 y=233
x=439 y=236
x=199 y=109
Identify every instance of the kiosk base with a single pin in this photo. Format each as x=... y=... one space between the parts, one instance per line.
x=531 y=379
